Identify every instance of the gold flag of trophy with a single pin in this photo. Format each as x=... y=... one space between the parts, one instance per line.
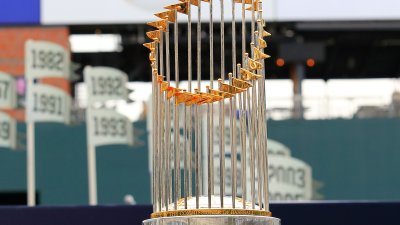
x=201 y=180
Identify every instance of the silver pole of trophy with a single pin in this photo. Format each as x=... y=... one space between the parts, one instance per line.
x=198 y=169
x=211 y=111
x=188 y=116
x=210 y=197
x=168 y=117
x=222 y=113
x=177 y=164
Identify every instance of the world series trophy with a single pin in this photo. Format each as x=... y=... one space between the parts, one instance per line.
x=186 y=188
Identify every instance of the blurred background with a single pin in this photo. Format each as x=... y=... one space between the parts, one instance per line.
x=333 y=95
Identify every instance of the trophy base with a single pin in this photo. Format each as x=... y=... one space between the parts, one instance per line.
x=214 y=220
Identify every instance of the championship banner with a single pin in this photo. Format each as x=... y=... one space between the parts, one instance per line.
x=289 y=179
x=104 y=126
x=8 y=92
x=105 y=83
x=47 y=99
x=277 y=149
x=46 y=103
x=108 y=127
x=46 y=59
x=8 y=131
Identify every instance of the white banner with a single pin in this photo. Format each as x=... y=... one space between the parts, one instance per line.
x=8 y=131
x=289 y=179
x=46 y=59
x=105 y=83
x=107 y=127
x=277 y=149
x=46 y=103
x=8 y=92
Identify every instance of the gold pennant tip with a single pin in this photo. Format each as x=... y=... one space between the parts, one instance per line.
x=180 y=7
x=167 y=15
x=247 y=75
x=266 y=34
x=151 y=45
x=159 y=24
x=154 y=35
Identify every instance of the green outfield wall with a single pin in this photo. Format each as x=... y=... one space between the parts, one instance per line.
x=352 y=159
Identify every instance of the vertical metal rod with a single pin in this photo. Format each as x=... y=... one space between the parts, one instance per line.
x=162 y=122
x=234 y=141
x=198 y=117
x=197 y=160
x=91 y=154
x=154 y=133
x=160 y=130
x=243 y=30
x=222 y=41
x=244 y=111
x=242 y=142
x=156 y=150
x=199 y=151
x=176 y=118
x=222 y=152
x=31 y=168
x=158 y=144
x=264 y=149
x=253 y=18
x=189 y=108
x=168 y=116
x=232 y=101
x=256 y=134
x=161 y=147
x=264 y=127
x=210 y=128
x=250 y=123
x=199 y=114
x=152 y=140
x=253 y=137
x=188 y=115
x=258 y=128
x=221 y=108
x=209 y=156
x=233 y=39
x=190 y=137
x=185 y=157
x=260 y=147
x=166 y=152
x=209 y=116
x=212 y=105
